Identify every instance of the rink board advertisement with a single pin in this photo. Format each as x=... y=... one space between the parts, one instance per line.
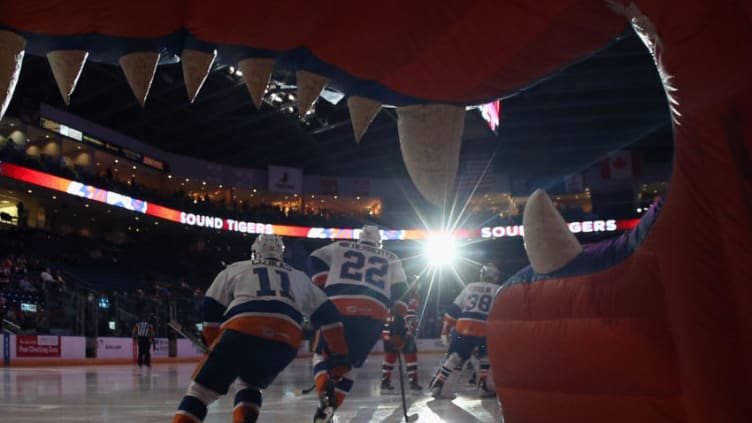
x=52 y=347
x=38 y=346
x=186 y=348
x=160 y=348
x=248 y=227
x=110 y=347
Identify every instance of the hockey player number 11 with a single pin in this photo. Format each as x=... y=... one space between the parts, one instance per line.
x=262 y=273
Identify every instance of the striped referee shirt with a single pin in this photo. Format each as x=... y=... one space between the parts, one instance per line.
x=143 y=329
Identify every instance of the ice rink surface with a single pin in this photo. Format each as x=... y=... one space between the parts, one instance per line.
x=119 y=394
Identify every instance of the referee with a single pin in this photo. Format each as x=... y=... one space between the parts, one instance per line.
x=143 y=333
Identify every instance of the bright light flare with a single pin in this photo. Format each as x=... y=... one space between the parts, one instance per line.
x=441 y=250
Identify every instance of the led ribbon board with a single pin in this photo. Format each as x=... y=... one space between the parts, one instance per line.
x=136 y=205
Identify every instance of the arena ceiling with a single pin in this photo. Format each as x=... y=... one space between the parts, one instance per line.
x=562 y=124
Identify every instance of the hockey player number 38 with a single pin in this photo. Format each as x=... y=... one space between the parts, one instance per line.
x=484 y=304
x=262 y=273
x=376 y=271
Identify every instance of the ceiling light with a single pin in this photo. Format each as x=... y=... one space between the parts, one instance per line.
x=117 y=161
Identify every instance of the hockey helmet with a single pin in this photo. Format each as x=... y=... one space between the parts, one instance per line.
x=370 y=235
x=268 y=247
x=489 y=273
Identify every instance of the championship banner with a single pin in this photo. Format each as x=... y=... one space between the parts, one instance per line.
x=285 y=179
x=37 y=346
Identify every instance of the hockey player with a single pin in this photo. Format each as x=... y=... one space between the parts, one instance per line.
x=253 y=312
x=365 y=282
x=409 y=351
x=468 y=314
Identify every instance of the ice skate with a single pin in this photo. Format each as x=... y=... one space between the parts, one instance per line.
x=437 y=391
x=328 y=403
x=386 y=386
x=484 y=391
x=415 y=387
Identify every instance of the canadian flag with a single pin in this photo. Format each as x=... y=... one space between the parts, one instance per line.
x=618 y=165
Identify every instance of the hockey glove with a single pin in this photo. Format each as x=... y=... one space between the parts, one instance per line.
x=398 y=332
x=445 y=339
x=338 y=365
x=411 y=322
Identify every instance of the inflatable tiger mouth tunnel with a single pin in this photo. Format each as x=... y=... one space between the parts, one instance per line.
x=654 y=326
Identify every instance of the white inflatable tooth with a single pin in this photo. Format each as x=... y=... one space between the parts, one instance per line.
x=430 y=139
x=66 y=67
x=139 y=68
x=362 y=112
x=256 y=72
x=196 y=67
x=12 y=48
x=309 y=88
x=549 y=243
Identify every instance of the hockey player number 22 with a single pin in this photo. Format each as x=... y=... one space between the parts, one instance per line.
x=266 y=289
x=375 y=272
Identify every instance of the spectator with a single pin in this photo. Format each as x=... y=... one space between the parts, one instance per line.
x=47 y=279
x=4 y=274
x=25 y=285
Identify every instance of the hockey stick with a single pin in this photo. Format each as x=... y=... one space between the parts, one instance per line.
x=177 y=327
x=298 y=392
x=412 y=417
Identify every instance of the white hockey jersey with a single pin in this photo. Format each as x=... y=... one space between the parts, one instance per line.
x=268 y=298
x=470 y=309
x=360 y=279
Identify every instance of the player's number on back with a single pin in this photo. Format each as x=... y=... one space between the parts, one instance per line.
x=482 y=302
x=375 y=270
x=262 y=273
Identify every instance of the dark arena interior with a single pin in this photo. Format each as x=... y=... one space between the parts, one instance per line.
x=591 y=160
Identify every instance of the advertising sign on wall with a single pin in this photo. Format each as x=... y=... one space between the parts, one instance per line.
x=111 y=347
x=37 y=346
x=215 y=222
